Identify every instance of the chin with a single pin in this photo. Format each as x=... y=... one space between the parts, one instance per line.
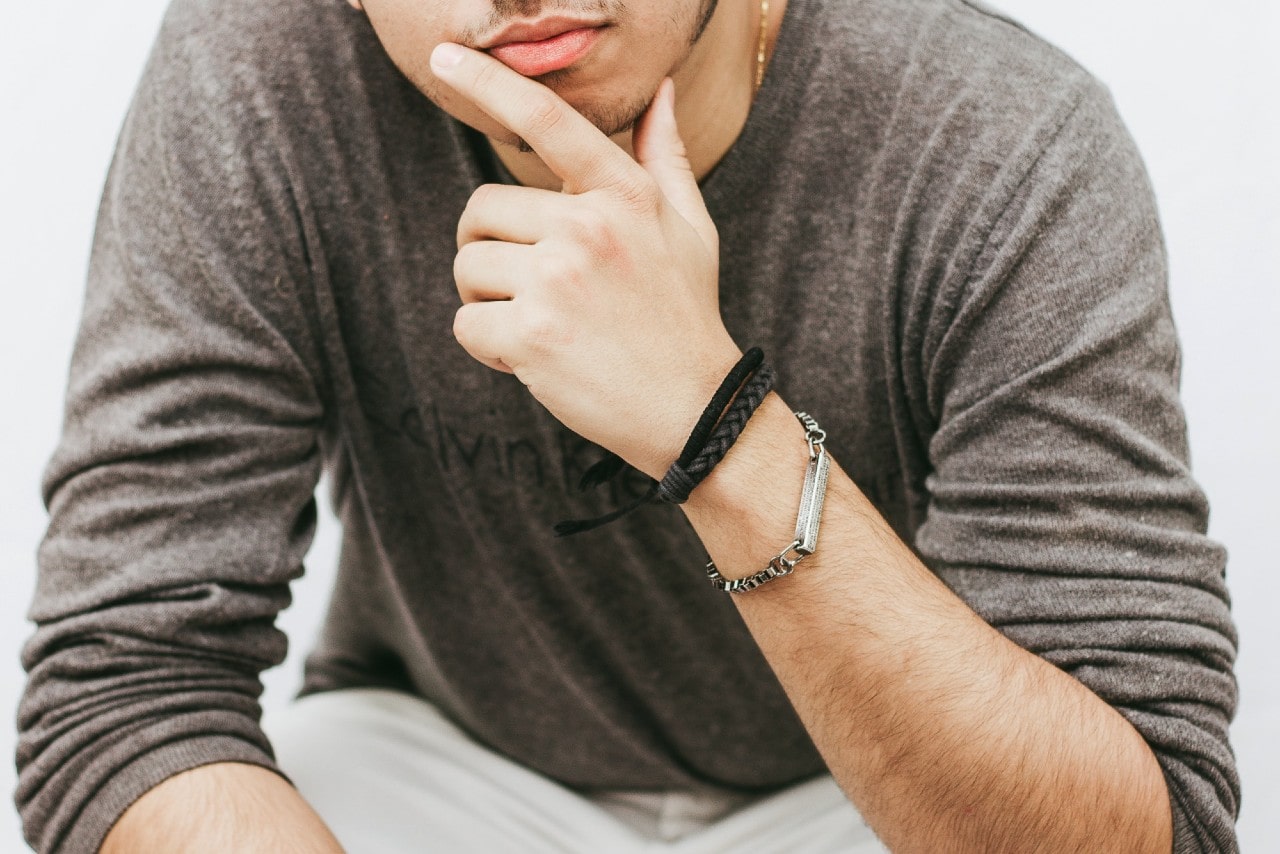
x=611 y=115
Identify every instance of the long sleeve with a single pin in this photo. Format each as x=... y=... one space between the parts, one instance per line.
x=180 y=496
x=1061 y=503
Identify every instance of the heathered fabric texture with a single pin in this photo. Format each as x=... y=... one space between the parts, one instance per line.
x=933 y=223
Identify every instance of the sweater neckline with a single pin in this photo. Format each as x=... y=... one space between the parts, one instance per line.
x=734 y=177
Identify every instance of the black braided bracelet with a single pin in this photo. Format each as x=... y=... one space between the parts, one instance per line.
x=741 y=392
x=679 y=481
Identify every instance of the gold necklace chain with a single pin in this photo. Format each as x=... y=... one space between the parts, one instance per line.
x=762 y=44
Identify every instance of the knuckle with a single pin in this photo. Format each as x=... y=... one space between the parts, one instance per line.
x=558 y=269
x=463 y=324
x=543 y=114
x=543 y=332
x=597 y=236
x=467 y=224
x=485 y=197
x=486 y=77
x=461 y=262
x=640 y=195
x=591 y=228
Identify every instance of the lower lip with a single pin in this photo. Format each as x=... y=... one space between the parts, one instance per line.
x=535 y=58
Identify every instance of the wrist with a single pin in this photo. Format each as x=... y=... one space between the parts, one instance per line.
x=752 y=496
x=680 y=409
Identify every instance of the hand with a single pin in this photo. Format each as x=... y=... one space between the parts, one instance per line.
x=602 y=299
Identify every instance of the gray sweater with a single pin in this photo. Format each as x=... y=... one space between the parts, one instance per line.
x=933 y=223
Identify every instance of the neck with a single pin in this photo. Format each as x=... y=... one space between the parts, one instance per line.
x=714 y=90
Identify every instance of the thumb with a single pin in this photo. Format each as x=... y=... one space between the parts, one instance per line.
x=660 y=150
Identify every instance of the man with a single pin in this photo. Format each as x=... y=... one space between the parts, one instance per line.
x=1012 y=635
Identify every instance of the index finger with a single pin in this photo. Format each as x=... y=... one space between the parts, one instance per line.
x=571 y=146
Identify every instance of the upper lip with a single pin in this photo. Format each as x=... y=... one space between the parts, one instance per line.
x=535 y=31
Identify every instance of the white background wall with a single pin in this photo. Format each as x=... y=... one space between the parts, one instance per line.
x=1196 y=82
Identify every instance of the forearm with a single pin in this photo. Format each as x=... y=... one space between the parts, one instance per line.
x=946 y=735
x=218 y=808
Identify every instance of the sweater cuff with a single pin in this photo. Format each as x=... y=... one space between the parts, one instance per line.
x=149 y=770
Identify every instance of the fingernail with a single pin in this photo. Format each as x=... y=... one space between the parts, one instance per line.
x=447 y=55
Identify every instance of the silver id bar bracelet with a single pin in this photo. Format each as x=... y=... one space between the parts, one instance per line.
x=806 y=538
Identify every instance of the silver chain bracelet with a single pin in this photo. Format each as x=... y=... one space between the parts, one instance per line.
x=806 y=537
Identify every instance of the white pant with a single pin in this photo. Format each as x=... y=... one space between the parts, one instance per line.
x=390 y=775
